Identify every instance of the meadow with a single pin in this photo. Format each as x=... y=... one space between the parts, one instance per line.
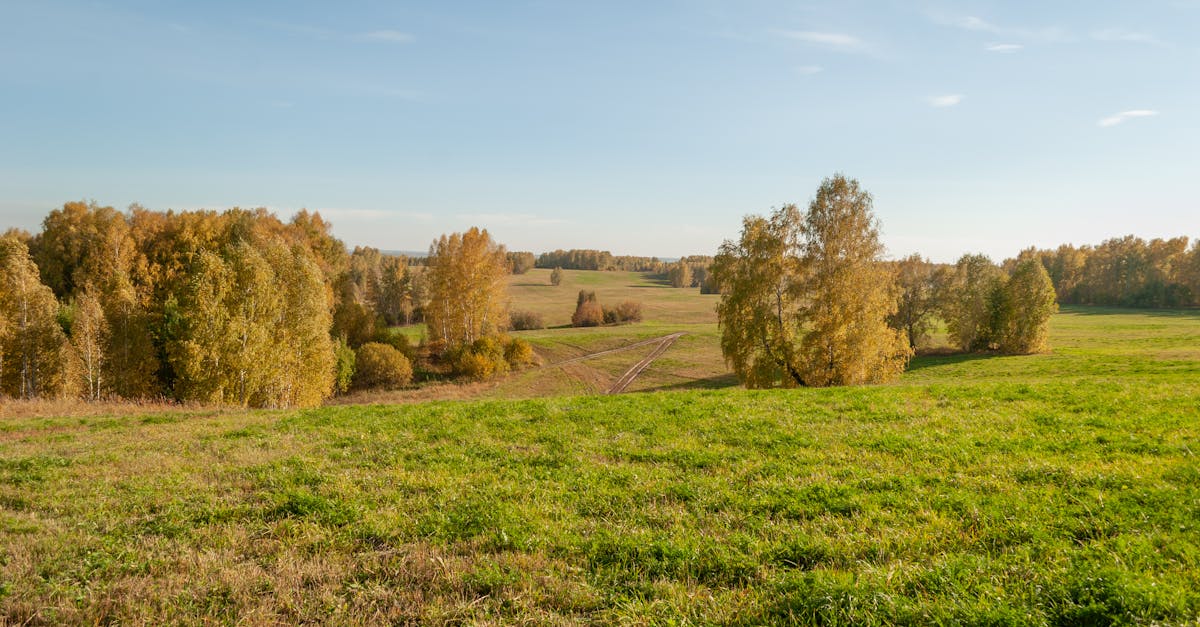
x=1054 y=489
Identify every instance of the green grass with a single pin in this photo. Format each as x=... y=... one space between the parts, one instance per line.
x=1058 y=489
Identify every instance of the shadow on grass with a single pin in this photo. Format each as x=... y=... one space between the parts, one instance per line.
x=929 y=360
x=654 y=280
x=1100 y=310
x=728 y=380
x=533 y=285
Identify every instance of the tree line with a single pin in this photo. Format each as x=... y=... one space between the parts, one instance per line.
x=808 y=300
x=587 y=259
x=234 y=307
x=1125 y=271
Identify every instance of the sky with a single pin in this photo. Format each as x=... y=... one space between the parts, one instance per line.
x=642 y=127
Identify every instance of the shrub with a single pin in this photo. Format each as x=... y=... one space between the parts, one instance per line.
x=480 y=360
x=525 y=321
x=381 y=366
x=629 y=311
x=556 y=276
x=343 y=367
x=588 y=314
x=518 y=352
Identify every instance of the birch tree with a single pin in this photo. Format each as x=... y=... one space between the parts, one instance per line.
x=467 y=289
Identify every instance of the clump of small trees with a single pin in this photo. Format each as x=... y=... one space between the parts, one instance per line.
x=234 y=307
x=526 y=321
x=590 y=313
x=986 y=309
x=467 y=310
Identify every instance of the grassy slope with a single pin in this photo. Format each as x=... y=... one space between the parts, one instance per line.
x=1055 y=489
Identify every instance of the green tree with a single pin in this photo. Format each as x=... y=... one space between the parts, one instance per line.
x=1027 y=305
x=967 y=300
x=916 y=305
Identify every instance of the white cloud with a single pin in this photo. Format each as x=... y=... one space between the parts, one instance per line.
x=840 y=42
x=1004 y=48
x=980 y=25
x=389 y=36
x=971 y=22
x=1118 y=118
x=809 y=69
x=948 y=100
x=1125 y=36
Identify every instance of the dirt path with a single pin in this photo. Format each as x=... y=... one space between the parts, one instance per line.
x=663 y=342
x=618 y=349
x=632 y=373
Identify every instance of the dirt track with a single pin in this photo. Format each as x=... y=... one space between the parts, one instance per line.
x=637 y=368
x=663 y=342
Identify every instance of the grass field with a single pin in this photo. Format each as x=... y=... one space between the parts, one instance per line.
x=1058 y=489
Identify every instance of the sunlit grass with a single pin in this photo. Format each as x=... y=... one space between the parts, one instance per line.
x=1053 y=489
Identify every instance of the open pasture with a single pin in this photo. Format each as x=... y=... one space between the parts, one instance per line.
x=1057 y=489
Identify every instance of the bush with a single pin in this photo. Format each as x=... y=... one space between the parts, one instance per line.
x=381 y=366
x=518 y=352
x=588 y=314
x=343 y=368
x=629 y=311
x=525 y=321
x=556 y=276
x=480 y=360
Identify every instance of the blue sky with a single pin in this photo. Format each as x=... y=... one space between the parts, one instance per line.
x=640 y=127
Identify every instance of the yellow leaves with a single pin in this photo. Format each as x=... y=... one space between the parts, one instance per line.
x=467 y=289
x=805 y=296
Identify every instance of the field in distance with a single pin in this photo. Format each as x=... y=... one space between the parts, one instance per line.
x=692 y=362
x=1056 y=489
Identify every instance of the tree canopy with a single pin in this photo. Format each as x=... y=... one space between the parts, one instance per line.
x=805 y=296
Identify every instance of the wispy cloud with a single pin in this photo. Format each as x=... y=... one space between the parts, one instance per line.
x=808 y=70
x=1121 y=35
x=388 y=36
x=971 y=22
x=1118 y=118
x=1004 y=48
x=839 y=42
x=947 y=100
x=324 y=34
x=981 y=25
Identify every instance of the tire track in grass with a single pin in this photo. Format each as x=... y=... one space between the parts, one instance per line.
x=672 y=337
x=623 y=383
